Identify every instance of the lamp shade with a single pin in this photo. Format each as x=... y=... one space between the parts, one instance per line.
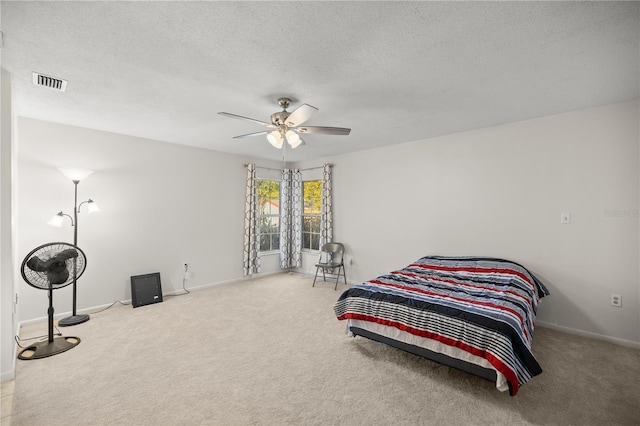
x=92 y=207
x=76 y=174
x=57 y=220
x=275 y=139
x=293 y=138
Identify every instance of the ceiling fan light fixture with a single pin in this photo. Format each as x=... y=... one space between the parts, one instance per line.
x=275 y=139
x=293 y=139
x=285 y=126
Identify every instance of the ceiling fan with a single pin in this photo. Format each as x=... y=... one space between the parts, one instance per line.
x=287 y=126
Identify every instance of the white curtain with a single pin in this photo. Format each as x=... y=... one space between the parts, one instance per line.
x=251 y=231
x=326 y=215
x=290 y=219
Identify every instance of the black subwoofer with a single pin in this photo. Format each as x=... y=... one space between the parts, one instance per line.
x=146 y=289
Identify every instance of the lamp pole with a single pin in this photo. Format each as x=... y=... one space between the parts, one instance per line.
x=75 y=175
x=75 y=241
x=74 y=319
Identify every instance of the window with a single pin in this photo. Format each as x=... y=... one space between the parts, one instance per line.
x=312 y=199
x=269 y=214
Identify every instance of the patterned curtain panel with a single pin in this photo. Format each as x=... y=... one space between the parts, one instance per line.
x=251 y=231
x=326 y=215
x=290 y=219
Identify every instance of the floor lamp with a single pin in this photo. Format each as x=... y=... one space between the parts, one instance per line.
x=76 y=175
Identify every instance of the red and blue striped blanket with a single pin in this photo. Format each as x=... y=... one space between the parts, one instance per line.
x=484 y=306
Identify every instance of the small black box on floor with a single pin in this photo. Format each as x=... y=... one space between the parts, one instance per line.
x=146 y=289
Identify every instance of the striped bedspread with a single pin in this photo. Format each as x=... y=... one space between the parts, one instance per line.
x=484 y=306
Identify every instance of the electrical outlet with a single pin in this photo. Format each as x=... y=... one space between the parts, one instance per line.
x=616 y=300
x=185 y=267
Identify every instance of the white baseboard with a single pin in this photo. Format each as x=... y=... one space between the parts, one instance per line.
x=312 y=274
x=5 y=376
x=40 y=320
x=8 y=375
x=610 y=339
x=235 y=280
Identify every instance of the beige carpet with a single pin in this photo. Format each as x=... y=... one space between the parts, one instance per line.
x=269 y=351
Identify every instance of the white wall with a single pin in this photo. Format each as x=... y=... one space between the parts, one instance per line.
x=496 y=192
x=162 y=205
x=7 y=161
x=499 y=192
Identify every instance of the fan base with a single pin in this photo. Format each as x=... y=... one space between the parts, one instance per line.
x=73 y=320
x=45 y=349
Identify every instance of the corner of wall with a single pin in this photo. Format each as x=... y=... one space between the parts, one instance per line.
x=7 y=227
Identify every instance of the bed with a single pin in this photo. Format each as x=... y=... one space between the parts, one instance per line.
x=472 y=313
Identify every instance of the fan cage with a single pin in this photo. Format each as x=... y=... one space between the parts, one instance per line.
x=39 y=280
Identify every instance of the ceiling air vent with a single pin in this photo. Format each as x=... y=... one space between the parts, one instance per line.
x=50 y=82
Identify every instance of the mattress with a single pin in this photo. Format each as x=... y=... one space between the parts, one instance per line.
x=478 y=309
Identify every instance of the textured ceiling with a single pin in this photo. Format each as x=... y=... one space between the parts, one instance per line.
x=392 y=71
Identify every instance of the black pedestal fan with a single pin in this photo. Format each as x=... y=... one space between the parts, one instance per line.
x=49 y=267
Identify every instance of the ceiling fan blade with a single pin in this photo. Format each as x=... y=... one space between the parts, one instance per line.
x=300 y=115
x=249 y=135
x=264 y=123
x=323 y=130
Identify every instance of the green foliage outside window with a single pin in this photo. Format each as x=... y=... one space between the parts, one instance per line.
x=312 y=199
x=268 y=192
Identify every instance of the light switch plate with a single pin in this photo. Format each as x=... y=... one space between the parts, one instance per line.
x=565 y=218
